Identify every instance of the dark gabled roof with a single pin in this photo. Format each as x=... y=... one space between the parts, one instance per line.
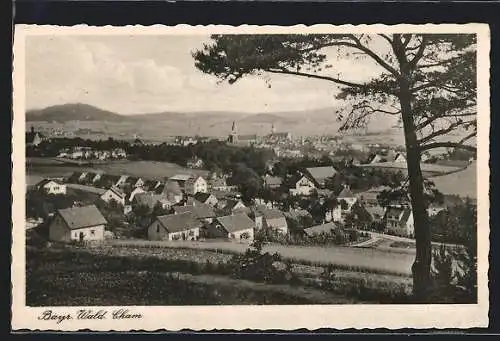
x=151 y=184
x=80 y=217
x=219 y=182
x=110 y=177
x=230 y=203
x=236 y=222
x=268 y=213
x=320 y=174
x=89 y=176
x=117 y=191
x=131 y=180
x=345 y=193
x=46 y=181
x=148 y=199
x=181 y=177
x=396 y=211
x=74 y=177
x=319 y=229
x=273 y=180
x=202 y=197
x=179 y=222
x=201 y=211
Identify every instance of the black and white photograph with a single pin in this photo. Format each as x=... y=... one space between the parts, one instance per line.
x=209 y=167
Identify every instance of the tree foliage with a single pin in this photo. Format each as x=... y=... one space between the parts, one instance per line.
x=428 y=81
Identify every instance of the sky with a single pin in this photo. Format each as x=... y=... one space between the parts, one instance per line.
x=148 y=74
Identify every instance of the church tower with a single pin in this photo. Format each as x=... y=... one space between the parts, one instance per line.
x=273 y=129
x=233 y=136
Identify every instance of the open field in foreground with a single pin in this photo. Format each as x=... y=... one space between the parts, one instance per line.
x=81 y=277
x=362 y=259
x=49 y=167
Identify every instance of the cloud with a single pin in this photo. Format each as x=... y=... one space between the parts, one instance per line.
x=149 y=74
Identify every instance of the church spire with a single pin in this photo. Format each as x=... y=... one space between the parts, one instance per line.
x=233 y=129
x=273 y=129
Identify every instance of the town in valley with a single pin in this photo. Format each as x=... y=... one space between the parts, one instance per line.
x=187 y=209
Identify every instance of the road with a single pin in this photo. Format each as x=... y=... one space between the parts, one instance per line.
x=357 y=258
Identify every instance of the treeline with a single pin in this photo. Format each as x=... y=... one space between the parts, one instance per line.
x=216 y=155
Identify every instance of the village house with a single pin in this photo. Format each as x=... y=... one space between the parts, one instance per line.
x=238 y=227
x=171 y=190
x=196 y=185
x=96 y=178
x=150 y=200
x=220 y=184
x=229 y=205
x=346 y=201
x=303 y=186
x=118 y=153
x=121 y=180
x=77 y=223
x=51 y=186
x=114 y=193
x=369 y=198
x=150 y=185
x=107 y=181
x=320 y=174
x=202 y=212
x=134 y=182
x=195 y=163
x=82 y=177
x=180 y=179
x=399 y=221
x=184 y=226
x=134 y=192
x=316 y=230
x=34 y=138
x=88 y=178
x=206 y=198
x=272 y=181
x=271 y=219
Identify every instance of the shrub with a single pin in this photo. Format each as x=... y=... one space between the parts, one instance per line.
x=257 y=266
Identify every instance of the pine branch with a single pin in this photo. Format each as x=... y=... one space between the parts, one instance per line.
x=311 y=75
x=457 y=145
x=440 y=132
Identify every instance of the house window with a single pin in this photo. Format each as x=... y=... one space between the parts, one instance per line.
x=92 y=232
x=157 y=228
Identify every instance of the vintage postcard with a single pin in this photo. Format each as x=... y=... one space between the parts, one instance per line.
x=251 y=177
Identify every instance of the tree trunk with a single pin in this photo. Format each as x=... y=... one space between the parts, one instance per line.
x=422 y=265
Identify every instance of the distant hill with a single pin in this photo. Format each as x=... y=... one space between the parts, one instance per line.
x=72 y=112
x=158 y=126
x=267 y=118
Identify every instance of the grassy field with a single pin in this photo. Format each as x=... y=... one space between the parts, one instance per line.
x=49 y=167
x=357 y=259
x=463 y=183
x=73 y=276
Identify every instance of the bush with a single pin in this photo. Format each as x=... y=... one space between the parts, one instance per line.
x=258 y=266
